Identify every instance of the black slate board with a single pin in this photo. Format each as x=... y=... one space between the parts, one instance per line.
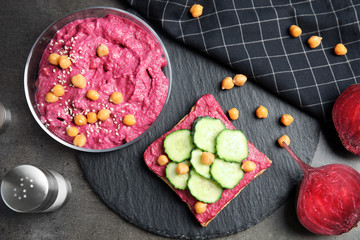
x=125 y=184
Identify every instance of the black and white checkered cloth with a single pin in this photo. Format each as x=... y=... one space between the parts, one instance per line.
x=252 y=36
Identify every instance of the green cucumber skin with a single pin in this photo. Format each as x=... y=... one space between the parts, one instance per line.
x=169 y=154
x=192 y=172
x=194 y=129
x=191 y=158
x=219 y=182
x=169 y=178
x=232 y=160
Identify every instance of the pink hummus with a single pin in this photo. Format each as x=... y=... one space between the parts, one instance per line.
x=132 y=67
x=206 y=106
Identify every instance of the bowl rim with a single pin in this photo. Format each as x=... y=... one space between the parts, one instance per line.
x=100 y=8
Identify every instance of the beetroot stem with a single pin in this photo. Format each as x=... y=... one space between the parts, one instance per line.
x=301 y=163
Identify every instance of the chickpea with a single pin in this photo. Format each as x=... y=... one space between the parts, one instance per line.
x=129 y=120
x=54 y=59
x=102 y=50
x=295 y=31
x=116 y=97
x=240 y=80
x=207 y=158
x=78 y=81
x=182 y=169
x=72 y=131
x=196 y=10
x=162 y=160
x=103 y=114
x=64 y=62
x=80 y=120
x=92 y=95
x=284 y=138
x=340 y=49
x=200 y=207
x=227 y=83
x=261 y=112
x=248 y=166
x=286 y=119
x=233 y=113
x=79 y=140
x=50 y=97
x=314 y=41
x=91 y=117
x=58 y=90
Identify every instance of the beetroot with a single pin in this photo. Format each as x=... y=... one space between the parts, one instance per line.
x=329 y=198
x=346 y=118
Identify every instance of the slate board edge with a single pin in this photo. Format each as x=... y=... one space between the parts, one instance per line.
x=99 y=191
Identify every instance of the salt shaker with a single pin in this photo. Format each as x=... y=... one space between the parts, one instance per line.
x=30 y=189
x=5 y=118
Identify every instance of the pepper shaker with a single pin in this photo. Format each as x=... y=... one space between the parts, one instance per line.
x=5 y=118
x=30 y=189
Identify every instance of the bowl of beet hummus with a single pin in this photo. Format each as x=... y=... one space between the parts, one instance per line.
x=98 y=79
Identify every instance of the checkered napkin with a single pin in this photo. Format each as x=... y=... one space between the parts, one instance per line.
x=252 y=36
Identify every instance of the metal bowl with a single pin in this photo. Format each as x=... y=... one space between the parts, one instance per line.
x=33 y=60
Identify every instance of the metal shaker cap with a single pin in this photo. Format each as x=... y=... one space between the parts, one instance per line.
x=27 y=188
x=5 y=118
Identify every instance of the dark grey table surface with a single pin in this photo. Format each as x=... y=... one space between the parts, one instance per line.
x=85 y=216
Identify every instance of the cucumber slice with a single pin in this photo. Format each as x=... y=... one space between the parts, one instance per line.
x=178 y=145
x=178 y=181
x=205 y=130
x=227 y=174
x=232 y=145
x=204 y=190
x=195 y=160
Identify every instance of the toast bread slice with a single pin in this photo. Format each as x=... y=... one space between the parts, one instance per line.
x=159 y=171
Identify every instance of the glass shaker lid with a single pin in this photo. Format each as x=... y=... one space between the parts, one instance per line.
x=25 y=188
